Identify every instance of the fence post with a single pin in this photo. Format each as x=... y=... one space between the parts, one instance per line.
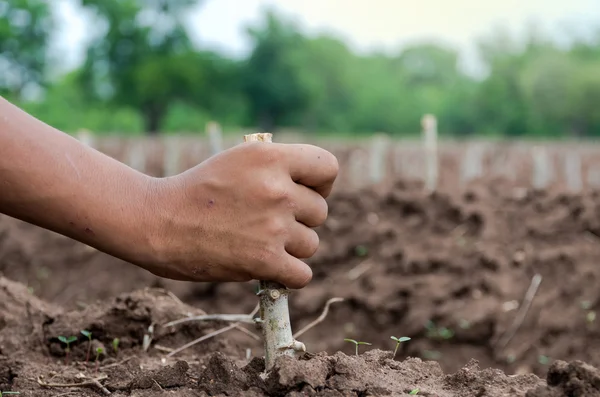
x=429 y=125
x=541 y=167
x=379 y=144
x=215 y=137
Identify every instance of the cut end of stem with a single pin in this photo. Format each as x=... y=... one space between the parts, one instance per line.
x=259 y=137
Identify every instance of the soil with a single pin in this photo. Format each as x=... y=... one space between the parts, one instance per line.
x=450 y=270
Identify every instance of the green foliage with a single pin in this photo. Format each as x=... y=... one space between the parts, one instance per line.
x=67 y=340
x=25 y=28
x=356 y=343
x=398 y=341
x=143 y=74
x=115 y=345
x=414 y=392
x=6 y=393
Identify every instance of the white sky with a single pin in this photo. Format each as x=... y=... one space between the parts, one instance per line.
x=367 y=24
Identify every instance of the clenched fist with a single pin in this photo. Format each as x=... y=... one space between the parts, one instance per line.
x=246 y=213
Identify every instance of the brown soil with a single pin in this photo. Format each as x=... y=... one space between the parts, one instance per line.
x=448 y=270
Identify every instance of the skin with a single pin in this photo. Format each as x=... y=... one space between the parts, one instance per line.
x=245 y=214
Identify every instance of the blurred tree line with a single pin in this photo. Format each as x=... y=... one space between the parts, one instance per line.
x=142 y=74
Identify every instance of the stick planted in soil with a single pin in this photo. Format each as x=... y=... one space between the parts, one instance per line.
x=274 y=311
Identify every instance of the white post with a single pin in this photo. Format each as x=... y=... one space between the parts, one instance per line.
x=472 y=164
x=542 y=172
x=573 y=171
x=86 y=137
x=377 y=164
x=429 y=124
x=357 y=167
x=171 y=157
x=593 y=177
x=215 y=137
x=137 y=154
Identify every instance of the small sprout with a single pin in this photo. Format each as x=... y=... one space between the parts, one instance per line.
x=414 y=392
x=99 y=351
x=115 y=344
x=544 y=360
x=585 y=305
x=464 y=324
x=511 y=358
x=591 y=317
x=6 y=393
x=398 y=341
x=361 y=250
x=67 y=341
x=356 y=343
x=88 y=335
x=445 y=333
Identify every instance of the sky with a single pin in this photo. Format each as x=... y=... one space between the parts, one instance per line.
x=365 y=25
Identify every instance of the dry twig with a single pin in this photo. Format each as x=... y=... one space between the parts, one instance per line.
x=116 y=364
x=210 y=335
x=320 y=318
x=521 y=314
x=87 y=383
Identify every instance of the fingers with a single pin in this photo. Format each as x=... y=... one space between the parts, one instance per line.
x=310 y=208
x=302 y=242
x=311 y=166
x=295 y=274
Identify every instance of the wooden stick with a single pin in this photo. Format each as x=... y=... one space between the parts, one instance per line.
x=208 y=336
x=320 y=318
x=520 y=317
x=89 y=382
x=274 y=311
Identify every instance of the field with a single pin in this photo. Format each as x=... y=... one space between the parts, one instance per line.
x=496 y=283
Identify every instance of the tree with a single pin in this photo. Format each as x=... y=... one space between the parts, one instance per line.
x=143 y=57
x=25 y=28
x=272 y=77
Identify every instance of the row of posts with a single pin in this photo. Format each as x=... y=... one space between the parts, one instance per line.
x=426 y=170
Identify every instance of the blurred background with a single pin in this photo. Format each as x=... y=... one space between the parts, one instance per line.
x=335 y=68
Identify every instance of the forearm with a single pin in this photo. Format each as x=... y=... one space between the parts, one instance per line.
x=50 y=179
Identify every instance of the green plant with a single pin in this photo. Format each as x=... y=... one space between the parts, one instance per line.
x=435 y=332
x=6 y=393
x=67 y=341
x=88 y=335
x=414 y=392
x=99 y=351
x=115 y=345
x=398 y=341
x=356 y=343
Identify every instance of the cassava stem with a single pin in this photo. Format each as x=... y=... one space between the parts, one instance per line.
x=274 y=312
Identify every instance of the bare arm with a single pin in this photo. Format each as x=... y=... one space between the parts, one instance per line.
x=246 y=213
x=50 y=179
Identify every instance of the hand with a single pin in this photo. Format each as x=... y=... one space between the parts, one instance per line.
x=246 y=213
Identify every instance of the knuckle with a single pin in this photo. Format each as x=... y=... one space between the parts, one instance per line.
x=312 y=244
x=276 y=227
x=322 y=213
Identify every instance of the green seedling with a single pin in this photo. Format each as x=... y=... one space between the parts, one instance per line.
x=414 y=392
x=115 y=345
x=398 y=341
x=356 y=343
x=6 y=393
x=88 y=335
x=99 y=351
x=67 y=341
x=361 y=250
